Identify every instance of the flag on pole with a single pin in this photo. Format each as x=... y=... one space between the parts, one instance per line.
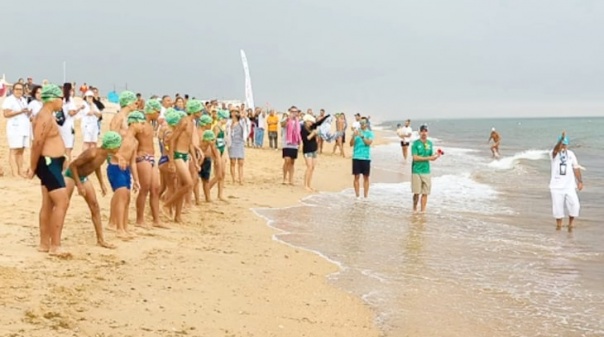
x=249 y=96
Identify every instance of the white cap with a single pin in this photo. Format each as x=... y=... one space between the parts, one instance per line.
x=89 y=93
x=492 y=129
x=308 y=118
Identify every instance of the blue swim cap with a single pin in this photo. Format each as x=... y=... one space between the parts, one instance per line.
x=564 y=141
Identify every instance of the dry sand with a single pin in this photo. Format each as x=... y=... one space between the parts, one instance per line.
x=219 y=274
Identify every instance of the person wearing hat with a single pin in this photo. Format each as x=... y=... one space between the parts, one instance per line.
x=565 y=180
x=89 y=121
x=76 y=176
x=423 y=153
x=496 y=139
x=119 y=122
x=47 y=157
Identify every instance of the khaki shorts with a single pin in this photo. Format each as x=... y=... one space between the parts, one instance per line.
x=421 y=184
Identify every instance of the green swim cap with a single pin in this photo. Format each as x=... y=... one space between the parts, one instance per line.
x=51 y=92
x=127 y=98
x=182 y=113
x=136 y=117
x=193 y=106
x=205 y=120
x=223 y=114
x=111 y=140
x=173 y=117
x=209 y=136
x=152 y=106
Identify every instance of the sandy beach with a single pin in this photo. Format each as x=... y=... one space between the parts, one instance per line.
x=219 y=274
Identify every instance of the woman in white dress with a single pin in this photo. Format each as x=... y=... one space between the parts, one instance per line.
x=90 y=126
x=66 y=123
x=36 y=103
x=18 y=128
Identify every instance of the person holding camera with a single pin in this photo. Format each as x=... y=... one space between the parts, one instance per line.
x=361 y=156
x=422 y=153
x=565 y=181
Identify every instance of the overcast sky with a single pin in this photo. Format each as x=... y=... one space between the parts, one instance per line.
x=387 y=58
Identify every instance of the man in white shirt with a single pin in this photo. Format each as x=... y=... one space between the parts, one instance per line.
x=405 y=133
x=18 y=128
x=356 y=125
x=259 y=132
x=565 y=180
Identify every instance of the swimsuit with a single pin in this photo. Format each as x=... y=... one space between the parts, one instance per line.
x=163 y=160
x=146 y=157
x=180 y=155
x=206 y=169
x=220 y=144
x=50 y=172
x=118 y=178
x=69 y=174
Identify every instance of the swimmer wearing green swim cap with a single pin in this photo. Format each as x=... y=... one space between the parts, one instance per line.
x=178 y=155
x=128 y=104
x=84 y=165
x=145 y=163
x=211 y=153
x=47 y=159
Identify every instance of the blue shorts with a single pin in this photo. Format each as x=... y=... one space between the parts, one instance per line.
x=118 y=178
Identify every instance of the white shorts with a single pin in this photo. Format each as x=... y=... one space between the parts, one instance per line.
x=90 y=133
x=68 y=137
x=17 y=141
x=562 y=199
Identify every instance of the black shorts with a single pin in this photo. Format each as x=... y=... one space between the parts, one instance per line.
x=206 y=169
x=290 y=153
x=360 y=166
x=50 y=172
x=404 y=143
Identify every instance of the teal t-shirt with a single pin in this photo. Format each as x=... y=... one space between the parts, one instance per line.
x=423 y=150
x=361 y=150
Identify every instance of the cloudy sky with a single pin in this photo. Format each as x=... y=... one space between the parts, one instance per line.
x=386 y=58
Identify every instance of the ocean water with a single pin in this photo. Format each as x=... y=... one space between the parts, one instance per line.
x=486 y=259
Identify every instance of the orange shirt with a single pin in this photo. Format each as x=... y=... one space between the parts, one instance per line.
x=273 y=123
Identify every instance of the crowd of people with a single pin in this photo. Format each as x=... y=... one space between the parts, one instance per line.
x=199 y=143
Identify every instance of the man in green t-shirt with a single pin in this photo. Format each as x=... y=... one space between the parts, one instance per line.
x=422 y=151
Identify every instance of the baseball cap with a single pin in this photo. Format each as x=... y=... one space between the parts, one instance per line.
x=423 y=127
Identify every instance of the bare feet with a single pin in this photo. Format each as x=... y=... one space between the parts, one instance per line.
x=122 y=235
x=43 y=248
x=104 y=244
x=112 y=227
x=223 y=199
x=60 y=253
x=143 y=226
x=166 y=210
x=178 y=219
x=161 y=225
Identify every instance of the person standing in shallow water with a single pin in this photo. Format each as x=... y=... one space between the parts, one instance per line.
x=496 y=139
x=46 y=161
x=565 y=180
x=422 y=152
x=361 y=141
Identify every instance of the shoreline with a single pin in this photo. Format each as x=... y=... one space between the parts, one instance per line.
x=222 y=273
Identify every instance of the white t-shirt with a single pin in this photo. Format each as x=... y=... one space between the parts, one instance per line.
x=69 y=120
x=35 y=107
x=162 y=112
x=261 y=121
x=88 y=119
x=356 y=125
x=559 y=180
x=18 y=125
x=405 y=130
